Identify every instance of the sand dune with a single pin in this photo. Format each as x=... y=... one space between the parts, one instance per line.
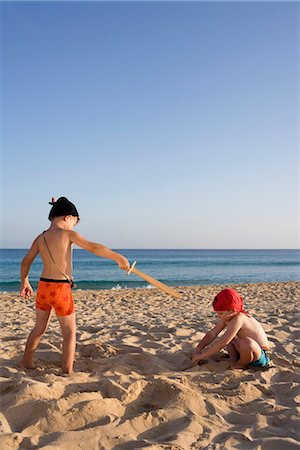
x=133 y=386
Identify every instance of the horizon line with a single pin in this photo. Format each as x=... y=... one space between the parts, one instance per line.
x=173 y=248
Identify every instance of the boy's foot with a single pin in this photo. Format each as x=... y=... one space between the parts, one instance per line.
x=27 y=365
x=238 y=367
x=224 y=357
x=66 y=372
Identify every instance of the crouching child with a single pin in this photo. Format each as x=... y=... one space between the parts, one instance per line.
x=244 y=337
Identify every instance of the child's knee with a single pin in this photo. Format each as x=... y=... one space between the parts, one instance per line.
x=233 y=345
x=249 y=344
x=69 y=333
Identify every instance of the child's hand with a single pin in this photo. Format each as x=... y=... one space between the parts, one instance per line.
x=123 y=263
x=26 y=290
x=196 y=358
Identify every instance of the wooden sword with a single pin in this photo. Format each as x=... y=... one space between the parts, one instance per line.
x=163 y=287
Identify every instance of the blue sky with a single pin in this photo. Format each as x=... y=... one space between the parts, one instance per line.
x=169 y=125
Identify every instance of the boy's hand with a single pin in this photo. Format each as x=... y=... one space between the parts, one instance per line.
x=26 y=290
x=123 y=263
x=196 y=358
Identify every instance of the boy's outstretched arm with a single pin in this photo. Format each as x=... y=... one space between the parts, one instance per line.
x=232 y=330
x=99 y=250
x=208 y=338
x=26 y=289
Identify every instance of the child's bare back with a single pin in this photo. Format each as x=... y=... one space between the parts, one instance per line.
x=60 y=246
x=250 y=327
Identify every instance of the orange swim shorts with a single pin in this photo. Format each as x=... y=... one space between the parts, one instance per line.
x=55 y=294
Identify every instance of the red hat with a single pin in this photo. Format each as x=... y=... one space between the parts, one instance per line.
x=228 y=299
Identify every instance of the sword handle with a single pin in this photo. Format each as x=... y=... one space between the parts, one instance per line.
x=131 y=268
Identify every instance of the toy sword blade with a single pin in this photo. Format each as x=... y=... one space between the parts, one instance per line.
x=163 y=287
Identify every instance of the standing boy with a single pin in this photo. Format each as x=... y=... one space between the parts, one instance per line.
x=244 y=338
x=54 y=289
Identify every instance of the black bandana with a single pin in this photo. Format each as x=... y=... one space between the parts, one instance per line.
x=62 y=207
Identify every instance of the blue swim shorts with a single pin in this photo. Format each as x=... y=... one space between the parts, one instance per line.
x=262 y=361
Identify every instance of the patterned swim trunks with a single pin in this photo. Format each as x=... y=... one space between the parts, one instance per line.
x=55 y=294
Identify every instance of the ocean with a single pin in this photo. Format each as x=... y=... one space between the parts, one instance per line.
x=173 y=267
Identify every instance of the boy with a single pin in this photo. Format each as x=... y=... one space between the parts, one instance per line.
x=244 y=338
x=54 y=289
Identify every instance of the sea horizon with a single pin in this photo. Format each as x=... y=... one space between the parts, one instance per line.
x=173 y=248
x=175 y=267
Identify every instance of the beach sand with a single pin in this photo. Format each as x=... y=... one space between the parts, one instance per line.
x=133 y=386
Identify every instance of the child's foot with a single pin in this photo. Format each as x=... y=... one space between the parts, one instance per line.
x=238 y=367
x=66 y=372
x=29 y=365
x=223 y=357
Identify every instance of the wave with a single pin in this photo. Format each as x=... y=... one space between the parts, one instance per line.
x=14 y=286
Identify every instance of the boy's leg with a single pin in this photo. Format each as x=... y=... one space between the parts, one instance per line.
x=68 y=328
x=42 y=321
x=233 y=351
x=249 y=351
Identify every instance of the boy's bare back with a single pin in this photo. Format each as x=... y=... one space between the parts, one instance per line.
x=60 y=246
x=248 y=327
